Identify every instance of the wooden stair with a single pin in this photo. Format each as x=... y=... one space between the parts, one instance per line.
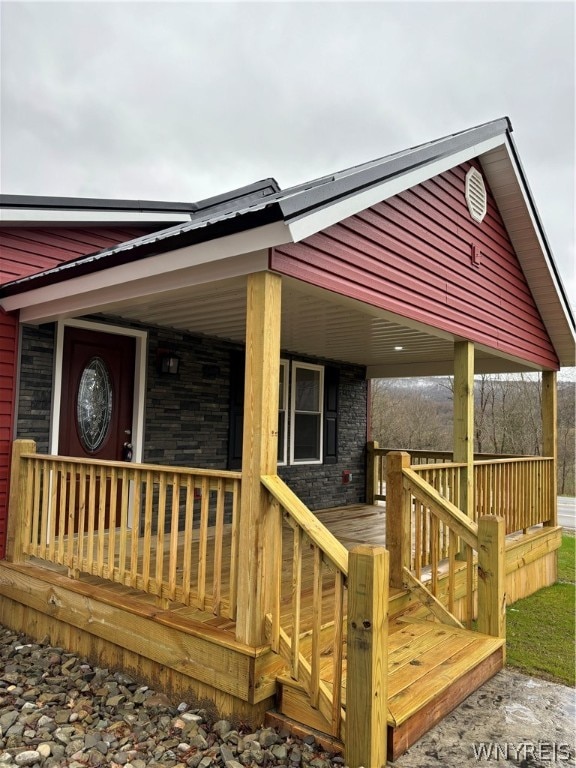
x=432 y=668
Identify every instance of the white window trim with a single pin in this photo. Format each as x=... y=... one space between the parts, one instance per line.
x=295 y=366
x=285 y=364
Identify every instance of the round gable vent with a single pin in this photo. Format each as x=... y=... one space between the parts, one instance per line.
x=475 y=194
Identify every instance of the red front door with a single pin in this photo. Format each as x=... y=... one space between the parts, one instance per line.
x=97 y=394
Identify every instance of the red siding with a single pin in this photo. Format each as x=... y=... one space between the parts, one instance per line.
x=411 y=255
x=24 y=251
x=8 y=347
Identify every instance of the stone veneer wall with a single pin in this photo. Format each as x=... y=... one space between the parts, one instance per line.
x=187 y=415
x=35 y=392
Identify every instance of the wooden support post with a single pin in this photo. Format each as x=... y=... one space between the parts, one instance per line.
x=463 y=429
x=550 y=439
x=18 y=500
x=398 y=517
x=492 y=575
x=372 y=476
x=259 y=453
x=366 y=680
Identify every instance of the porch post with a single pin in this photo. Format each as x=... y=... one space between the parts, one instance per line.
x=463 y=430
x=259 y=451
x=549 y=438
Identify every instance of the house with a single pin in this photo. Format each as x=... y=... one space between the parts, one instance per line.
x=185 y=393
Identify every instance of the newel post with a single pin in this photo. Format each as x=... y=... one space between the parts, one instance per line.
x=398 y=517
x=372 y=476
x=366 y=679
x=17 y=500
x=492 y=576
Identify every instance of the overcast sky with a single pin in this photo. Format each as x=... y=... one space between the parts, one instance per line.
x=178 y=101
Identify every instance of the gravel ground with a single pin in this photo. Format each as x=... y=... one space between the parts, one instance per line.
x=58 y=710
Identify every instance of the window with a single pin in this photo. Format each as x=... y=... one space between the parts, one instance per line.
x=283 y=412
x=306 y=413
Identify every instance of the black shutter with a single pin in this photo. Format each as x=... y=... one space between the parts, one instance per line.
x=237 y=363
x=331 y=383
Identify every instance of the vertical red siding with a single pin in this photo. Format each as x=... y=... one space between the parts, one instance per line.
x=412 y=255
x=8 y=356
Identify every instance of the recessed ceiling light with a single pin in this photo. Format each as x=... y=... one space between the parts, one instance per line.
x=398 y=349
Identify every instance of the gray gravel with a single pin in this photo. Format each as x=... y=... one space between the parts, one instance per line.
x=58 y=710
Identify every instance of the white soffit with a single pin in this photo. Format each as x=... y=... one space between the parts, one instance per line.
x=205 y=262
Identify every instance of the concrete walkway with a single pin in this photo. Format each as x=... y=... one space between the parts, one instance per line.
x=511 y=720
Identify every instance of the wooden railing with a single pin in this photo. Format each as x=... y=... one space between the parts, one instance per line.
x=169 y=531
x=462 y=556
x=310 y=560
x=521 y=489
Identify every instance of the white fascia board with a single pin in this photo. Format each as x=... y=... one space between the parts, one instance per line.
x=551 y=273
x=34 y=216
x=318 y=220
x=228 y=256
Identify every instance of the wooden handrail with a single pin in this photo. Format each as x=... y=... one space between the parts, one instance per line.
x=336 y=552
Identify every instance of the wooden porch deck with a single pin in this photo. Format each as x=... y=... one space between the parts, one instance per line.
x=431 y=667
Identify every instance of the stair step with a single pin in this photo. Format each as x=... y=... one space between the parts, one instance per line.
x=432 y=668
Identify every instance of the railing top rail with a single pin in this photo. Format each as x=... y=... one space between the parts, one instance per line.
x=444 y=465
x=334 y=550
x=133 y=465
x=420 y=453
x=515 y=460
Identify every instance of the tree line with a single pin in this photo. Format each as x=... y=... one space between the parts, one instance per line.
x=417 y=414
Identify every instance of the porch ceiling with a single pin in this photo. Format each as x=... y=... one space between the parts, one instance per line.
x=315 y=323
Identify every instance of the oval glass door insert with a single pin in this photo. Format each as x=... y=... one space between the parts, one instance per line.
x=94 y=404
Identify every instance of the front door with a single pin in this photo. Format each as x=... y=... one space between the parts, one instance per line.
x=97 y=405
x=97 y=394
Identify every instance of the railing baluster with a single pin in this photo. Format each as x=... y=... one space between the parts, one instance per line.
x=112 y=522
x=316 y=625
x=91 y=515
x=234 y=542
x=188 y=531
x=218 y=537
x=70 y=519
x=139 y=505
x=160 y=535
x=296 y=598
x=31 y=541
x=78 y=564
x=337 y=652
x=202 y=547
x=174 y=533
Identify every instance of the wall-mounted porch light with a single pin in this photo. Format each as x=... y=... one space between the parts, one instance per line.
x=167 y=362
